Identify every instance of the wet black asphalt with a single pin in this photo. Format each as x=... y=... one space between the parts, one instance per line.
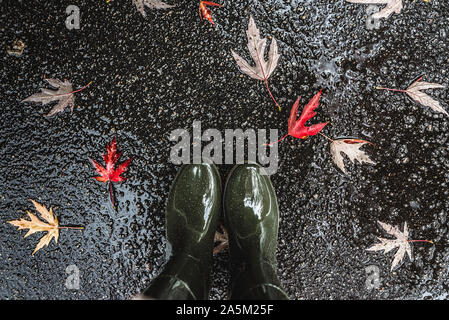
x=151 y=76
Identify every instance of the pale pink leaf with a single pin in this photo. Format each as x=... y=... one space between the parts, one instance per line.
x=64 y=96
x=414 y=91
x=256 y=46
x=350 y=147
x=152 y=4
x=392 y=6
x=401 y=242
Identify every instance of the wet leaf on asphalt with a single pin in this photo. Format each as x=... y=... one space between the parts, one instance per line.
x=297 y=128
x=152 y=4
x=64 y=95
x=110 y=158
x=205 y=13
x=393 y=6
x=37 y=225
x=414 y=91
x=256 y=46
x=111 y=174
x=351 y=147
x=401 y=242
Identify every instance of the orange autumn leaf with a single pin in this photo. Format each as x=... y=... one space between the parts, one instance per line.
x=51 y=226
x=37 y=225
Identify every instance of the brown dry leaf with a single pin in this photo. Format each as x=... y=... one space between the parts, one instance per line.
x=152 y=4
x=393 y=6
x=37 y=225
x=401 y=242
x=222 y=239
x=414 y=91
x=17 y=48
x=64 y=95
x=256 y=46
x=351 y=147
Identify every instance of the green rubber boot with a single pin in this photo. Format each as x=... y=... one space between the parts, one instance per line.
x=193 y=210
x=252 y=217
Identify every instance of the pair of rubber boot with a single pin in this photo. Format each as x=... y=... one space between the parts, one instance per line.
x=251 y=216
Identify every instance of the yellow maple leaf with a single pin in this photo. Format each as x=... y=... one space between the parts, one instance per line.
x=37 y=225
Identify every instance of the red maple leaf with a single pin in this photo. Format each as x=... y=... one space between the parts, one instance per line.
x=109 y=174
x=297 y=127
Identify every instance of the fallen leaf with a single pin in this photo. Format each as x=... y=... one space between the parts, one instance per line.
x=351 y=147
x=205 y=12
x=17 y=48
x=414 y=91
x=401 y=242
x=256 y=46
x=64 y=95
x=111 y=174
x=392 y=6
x=297 y=128
x=37 y=225
x=221 y=239
x=152 y=4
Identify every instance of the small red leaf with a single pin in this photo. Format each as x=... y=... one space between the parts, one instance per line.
x=297 y=128
x=110 y=159
x=109 y=174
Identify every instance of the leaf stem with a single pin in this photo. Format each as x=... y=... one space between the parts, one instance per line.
x=270 y=144
x=428 y=241
x=65 y=94
x=330 y=139
x=396 y=90
x=269 y=91
x=74 y=228
x=82 y=88
x=265 y=78
x=110 y=192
